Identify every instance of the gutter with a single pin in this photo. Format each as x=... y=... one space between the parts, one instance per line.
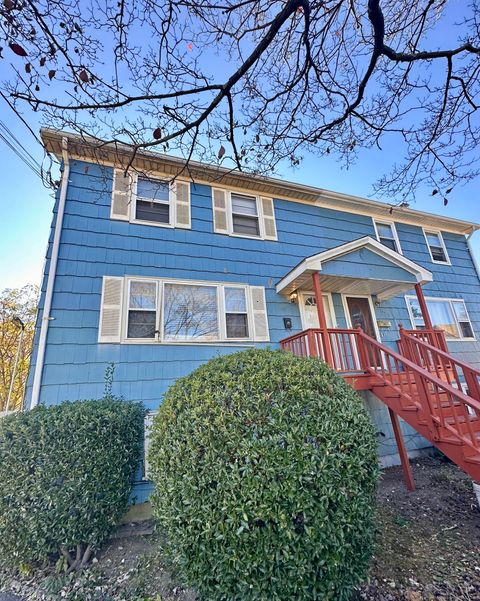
x=472 y=253
x=42 y=341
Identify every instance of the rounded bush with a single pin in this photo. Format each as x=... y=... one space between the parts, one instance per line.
x=66 y=473
x=265 y=472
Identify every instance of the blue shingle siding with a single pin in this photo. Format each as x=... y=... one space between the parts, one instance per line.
x=93 y=245
x=366 y=264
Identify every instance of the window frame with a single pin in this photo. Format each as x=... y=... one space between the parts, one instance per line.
x=442 y=243
x=171 y=203
x=126 y=310
x=159 y=310
x=461 y=338
x=259 y=215
x=247 y=312
x=392 y=224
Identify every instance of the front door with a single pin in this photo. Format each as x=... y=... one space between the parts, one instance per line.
x=310 y=314
x=360 y=314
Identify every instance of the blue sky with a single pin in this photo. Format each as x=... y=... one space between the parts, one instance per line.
x=26 y=206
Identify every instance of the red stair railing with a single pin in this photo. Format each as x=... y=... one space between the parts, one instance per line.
x=438 y=401
x=441 y=364
x=434 y=337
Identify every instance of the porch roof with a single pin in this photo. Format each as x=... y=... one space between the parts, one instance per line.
x=364 y=266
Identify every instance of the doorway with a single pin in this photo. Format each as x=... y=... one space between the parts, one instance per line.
x=309 y=314
x=360 y=313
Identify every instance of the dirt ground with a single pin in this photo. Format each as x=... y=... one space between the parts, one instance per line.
x=428 y=549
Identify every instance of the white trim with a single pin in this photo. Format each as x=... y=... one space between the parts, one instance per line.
x=52 y=270
x=457 y=323
x=126 y=308
x=394 y=231
x=473 y=255
x=160 y=300
x=372 y=310
x=442 y=243
x=314 y=263
x=260 y=216
x=203 y=173
x=170 y=203
x=301 y=305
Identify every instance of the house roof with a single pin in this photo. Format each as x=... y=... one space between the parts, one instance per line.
x=95 y=150
x=379 y=279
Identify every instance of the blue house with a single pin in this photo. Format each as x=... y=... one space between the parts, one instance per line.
x=160 y=269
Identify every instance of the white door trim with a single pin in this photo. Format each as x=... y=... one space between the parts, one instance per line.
x=372 y=309
x=301 y=305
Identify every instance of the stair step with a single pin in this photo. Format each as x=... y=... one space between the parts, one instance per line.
x=451 y=440
x=473 y=459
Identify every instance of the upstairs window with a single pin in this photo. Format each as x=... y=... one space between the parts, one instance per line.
x=245 y=215
x=449 y=315
x=152 y=201
x=387 y=235
x=436 y=247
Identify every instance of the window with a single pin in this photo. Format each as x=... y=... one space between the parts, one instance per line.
x=190 y=312
x=152 y=201
x=436 y=247
x=173 y=311
x=245 y=215
x=387 y=235
x=142 y=310
x=449 y=315
x=236 y=316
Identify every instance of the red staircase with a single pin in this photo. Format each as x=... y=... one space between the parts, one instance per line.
x=422 y=384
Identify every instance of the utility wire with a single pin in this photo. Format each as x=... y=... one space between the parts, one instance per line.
x=17 y=141
x=14 y=144
x=35 y=167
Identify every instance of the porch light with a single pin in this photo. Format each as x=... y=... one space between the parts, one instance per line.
x=294 y=296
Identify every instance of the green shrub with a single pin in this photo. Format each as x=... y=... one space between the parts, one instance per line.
x=265 y=471
x=66 y=473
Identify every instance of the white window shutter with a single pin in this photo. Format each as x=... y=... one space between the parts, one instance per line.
x=122 y=191
x=111 y=310
x=220 y=211
x=268 y=214
x=181 y=197
x=259 y=314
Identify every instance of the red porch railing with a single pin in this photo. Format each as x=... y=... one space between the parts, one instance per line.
x=343 y=344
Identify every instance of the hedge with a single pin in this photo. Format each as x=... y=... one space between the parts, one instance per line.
x=265 y=471
x=66 y=473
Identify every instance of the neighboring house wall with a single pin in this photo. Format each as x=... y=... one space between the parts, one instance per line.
x=93 y=245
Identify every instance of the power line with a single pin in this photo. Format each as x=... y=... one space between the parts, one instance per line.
x=17 y=141
x=34 y=166
x=14 y=144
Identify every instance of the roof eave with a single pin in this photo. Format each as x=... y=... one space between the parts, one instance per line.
x=92 y=149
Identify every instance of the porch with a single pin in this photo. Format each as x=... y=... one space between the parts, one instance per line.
x=418 y=380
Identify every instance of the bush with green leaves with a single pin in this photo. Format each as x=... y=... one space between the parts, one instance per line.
x=66 y=473
x=265 y=471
